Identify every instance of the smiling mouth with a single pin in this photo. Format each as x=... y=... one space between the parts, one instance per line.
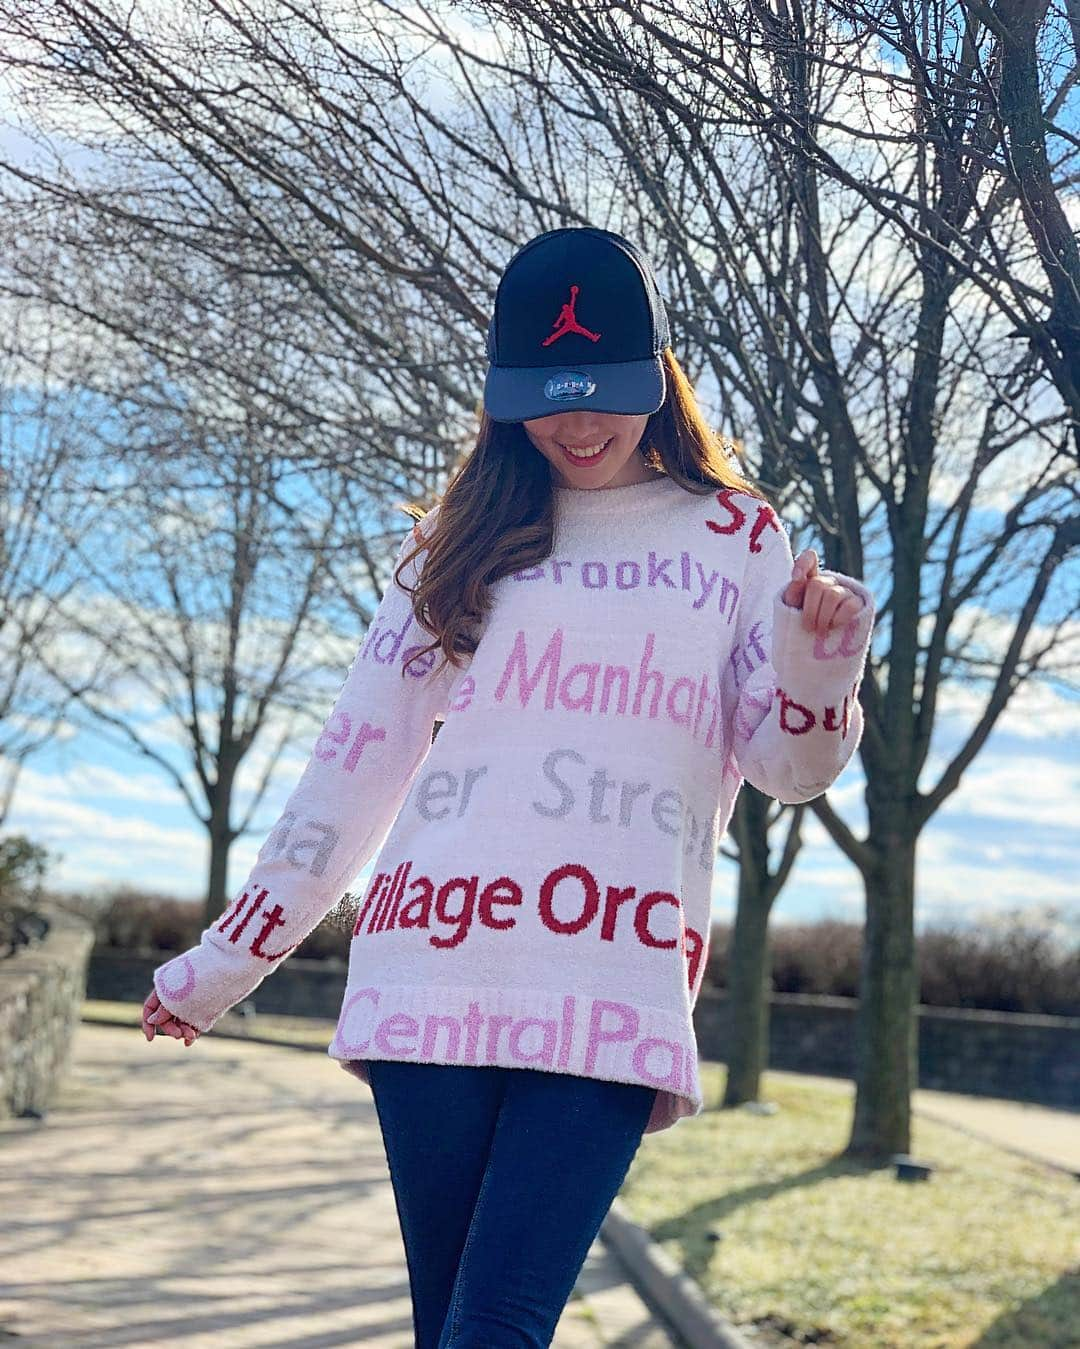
x=577 y=457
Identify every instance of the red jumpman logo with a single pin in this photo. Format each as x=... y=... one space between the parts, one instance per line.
x=567 y=323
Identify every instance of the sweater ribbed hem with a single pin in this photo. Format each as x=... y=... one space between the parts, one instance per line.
x=573 y=1033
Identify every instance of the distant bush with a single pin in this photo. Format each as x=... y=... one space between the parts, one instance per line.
x=820 y=957
x=1016 y=967
x=129 y=919
x=135 y=920
x=23 y=866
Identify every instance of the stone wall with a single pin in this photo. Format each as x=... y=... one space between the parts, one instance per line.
x=41 y=992
x=296 y=988
x=1020 y=1057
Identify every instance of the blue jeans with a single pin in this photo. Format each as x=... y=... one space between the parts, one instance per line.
x=502 y=1179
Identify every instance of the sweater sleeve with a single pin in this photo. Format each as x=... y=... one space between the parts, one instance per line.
x=355 y=781
x=796 y=720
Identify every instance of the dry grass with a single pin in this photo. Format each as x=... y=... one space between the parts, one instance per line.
x=985 y=1253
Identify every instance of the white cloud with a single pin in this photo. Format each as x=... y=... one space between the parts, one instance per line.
x=46 y=807
x=1033 y=787
x=1035 y=711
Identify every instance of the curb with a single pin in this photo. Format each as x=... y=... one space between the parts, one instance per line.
x=675 y=1294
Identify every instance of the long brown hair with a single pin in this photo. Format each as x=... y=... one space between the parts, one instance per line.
x=497 y=515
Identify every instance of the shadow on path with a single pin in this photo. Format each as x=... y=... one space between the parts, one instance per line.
x=222 y=1195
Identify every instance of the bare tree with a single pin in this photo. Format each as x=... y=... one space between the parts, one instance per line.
x=842 y=272
x=872 y=368
x=37 y=453
x=213 y=591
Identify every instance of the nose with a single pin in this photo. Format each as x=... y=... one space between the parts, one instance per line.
x=579 y=429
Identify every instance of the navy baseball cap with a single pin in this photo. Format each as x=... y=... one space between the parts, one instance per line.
x=579 y=323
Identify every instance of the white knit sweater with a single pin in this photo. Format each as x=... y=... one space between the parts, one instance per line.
x=542 y=898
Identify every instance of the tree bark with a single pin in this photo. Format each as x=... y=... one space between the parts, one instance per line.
x=749 y=982
x=749 y=972
x=221 y=838
x=886 y=1045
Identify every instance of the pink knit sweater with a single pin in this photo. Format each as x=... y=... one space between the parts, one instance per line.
x=542 y=895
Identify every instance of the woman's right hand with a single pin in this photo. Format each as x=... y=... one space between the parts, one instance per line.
x=156 y=1017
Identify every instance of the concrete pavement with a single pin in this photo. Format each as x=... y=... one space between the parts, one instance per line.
x=1039 y=1132
x=227 y=1195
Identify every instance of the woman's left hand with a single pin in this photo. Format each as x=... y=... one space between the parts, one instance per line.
x=826 y=603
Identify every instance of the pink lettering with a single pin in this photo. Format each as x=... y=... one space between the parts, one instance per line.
x=429 y=1026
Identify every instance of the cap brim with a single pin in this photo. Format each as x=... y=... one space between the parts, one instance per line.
x=519 y=394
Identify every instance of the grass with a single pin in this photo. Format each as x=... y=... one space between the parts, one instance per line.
x=305 y=1030
x=985 y=1253
x=818 y=1250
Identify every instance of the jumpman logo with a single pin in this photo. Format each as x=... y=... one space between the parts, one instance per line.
x=567 y=323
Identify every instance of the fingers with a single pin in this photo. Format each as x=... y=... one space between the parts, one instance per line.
x=803 y=568
x=149 y=1016
x=828 y=605
x=161 y=1019
x=180 y=1030
x=806 y=564
x=819 y=605
x=825 y=602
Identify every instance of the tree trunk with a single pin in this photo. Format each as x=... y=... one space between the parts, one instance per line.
x=748 y=973
x=1021 y=102
x=886 y=1029
x=220 y=842
x=748 y=995
x=222 y=835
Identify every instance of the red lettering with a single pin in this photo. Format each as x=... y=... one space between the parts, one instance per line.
x=223 y=925
x=238 y=930
x=738 y=517
x=502 y=890
x=467 y=885
x=830 y=717
x=273 y=919
x=592 y=907
x=788 y=705
x=694 y=949
x=547 y=895
x=616 y=895
x=641 y=919
x=765 y=516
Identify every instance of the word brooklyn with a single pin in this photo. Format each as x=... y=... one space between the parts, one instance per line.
x=651 y=573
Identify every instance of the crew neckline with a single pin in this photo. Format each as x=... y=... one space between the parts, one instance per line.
x=602 y=500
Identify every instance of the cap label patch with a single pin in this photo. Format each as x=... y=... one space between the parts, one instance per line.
x=567 y=323
x=569 y=384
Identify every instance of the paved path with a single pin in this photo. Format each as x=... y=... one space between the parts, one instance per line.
x=1036 y=1131
x=228 y=1195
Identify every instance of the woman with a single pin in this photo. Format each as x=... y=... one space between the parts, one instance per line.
x=610 y=625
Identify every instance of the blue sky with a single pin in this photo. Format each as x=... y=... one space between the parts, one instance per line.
x=1006 y=840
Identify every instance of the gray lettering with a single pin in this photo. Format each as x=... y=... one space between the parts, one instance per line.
x=558 y=812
